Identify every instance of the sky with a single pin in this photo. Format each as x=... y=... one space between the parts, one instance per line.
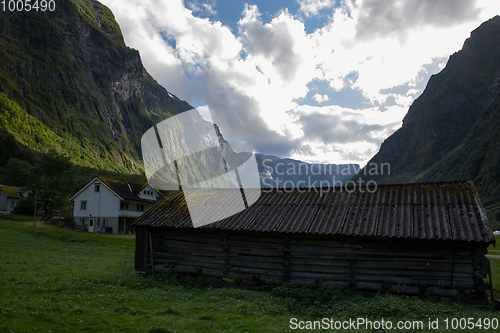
x=322 y=81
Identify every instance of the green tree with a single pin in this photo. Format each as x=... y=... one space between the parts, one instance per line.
x=24 y=207
x=50 y=180
x=14 y=172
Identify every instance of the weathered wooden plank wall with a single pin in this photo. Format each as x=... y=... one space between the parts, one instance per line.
x=411 y=266
x=140 y=260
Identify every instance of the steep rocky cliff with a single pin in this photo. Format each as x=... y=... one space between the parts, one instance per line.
x=71 y=72
x=69 y=83
x=451 y=131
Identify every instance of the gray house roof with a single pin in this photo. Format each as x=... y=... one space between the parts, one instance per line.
x=434 y=211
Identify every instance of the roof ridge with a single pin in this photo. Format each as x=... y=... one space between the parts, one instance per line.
x=402 y=213
x=349 y=187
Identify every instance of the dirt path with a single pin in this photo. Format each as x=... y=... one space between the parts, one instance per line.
x=493 y=256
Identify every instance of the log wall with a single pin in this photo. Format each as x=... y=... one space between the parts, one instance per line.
x=435 y=268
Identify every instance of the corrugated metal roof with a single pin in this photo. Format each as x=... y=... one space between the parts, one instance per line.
x=445 y=211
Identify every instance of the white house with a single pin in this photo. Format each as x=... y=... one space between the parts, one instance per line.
x=9 y=196
x=108 y=205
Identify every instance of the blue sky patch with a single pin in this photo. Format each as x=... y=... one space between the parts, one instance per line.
x=229 y=12
x=347 y=97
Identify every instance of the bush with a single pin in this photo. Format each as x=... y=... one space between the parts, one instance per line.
x=24 y=207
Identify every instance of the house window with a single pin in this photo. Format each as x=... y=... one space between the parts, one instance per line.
x=12 y=204
x=83 y=205
x=140 y=207
x=124 y=205
x=97 y=187
x=145 y=191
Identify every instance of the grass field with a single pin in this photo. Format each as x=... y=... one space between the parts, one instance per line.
x=55 y=280
x=495 y=266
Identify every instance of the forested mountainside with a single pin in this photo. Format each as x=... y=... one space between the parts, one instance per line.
x=452 y=131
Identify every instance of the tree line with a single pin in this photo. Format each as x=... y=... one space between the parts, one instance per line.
x=48 y=180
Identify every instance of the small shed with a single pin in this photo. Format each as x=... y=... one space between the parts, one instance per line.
x=428 y=238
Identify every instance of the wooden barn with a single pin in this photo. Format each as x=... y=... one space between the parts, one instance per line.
x=420 y=239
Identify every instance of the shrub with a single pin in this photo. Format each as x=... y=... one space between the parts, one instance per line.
x=24 y=207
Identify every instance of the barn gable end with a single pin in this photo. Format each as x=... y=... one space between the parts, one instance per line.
x=411 y=238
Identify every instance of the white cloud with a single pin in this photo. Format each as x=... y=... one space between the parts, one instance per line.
x=204 y=110
x=312 y=7
x=383 y=61
x=321 y=98
x=203 y=8
x=386 y=17
x=274 y=41
x=332 y=133
x=251 y=80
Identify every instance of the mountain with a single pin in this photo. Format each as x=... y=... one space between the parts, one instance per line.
x=287 y=172
x=190 y=142
x=68 y=82
x=451 y=132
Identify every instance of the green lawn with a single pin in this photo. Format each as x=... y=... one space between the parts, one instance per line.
x=495 y=266
x=55 y=280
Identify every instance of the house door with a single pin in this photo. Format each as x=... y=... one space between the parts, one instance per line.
x=91 y=225
x=121 y=225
